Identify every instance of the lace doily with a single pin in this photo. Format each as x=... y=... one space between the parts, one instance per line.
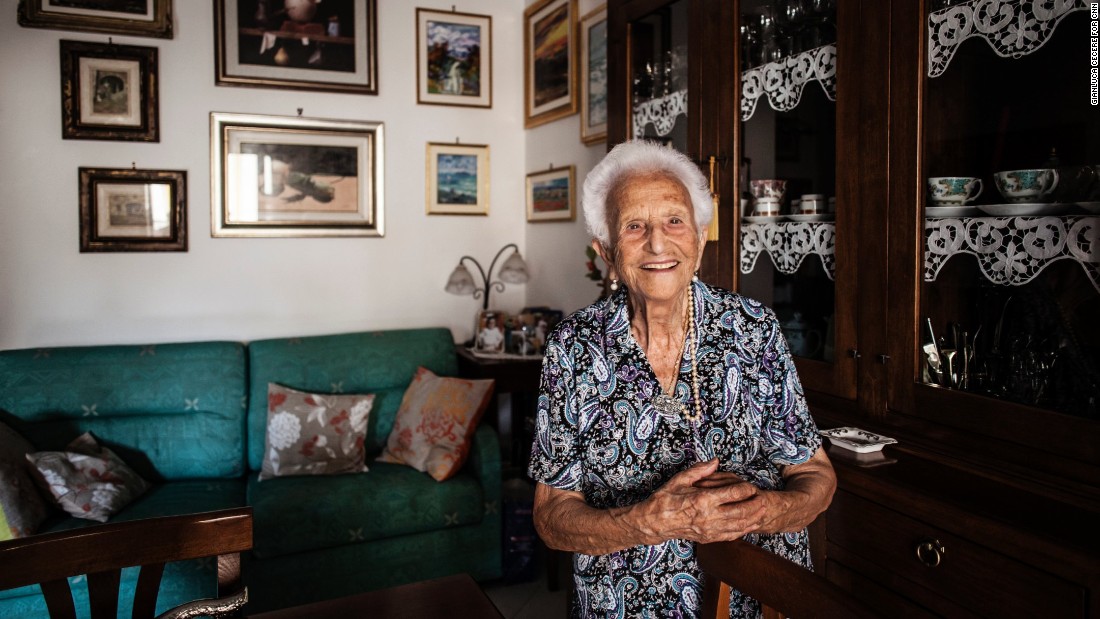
x=788 y=243
x=661 y=113
x=1013 y=250
x=1013 y=28
x=784 y=80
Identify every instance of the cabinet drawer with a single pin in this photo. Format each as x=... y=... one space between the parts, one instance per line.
x=969 y=574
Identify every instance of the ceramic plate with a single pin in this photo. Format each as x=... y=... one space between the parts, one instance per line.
x=1092 y=207
x=811 y=217
x=762 y=219
x=1024 y=209
x=854 y=439
x=950 y=211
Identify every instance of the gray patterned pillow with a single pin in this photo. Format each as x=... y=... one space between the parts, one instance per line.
x=88 y=480
x=314 y=434
x=21 y=506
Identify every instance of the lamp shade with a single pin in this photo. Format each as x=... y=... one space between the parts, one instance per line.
x=460 y=282
x=514 y=270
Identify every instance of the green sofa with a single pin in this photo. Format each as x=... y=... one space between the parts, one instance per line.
x=191 y=419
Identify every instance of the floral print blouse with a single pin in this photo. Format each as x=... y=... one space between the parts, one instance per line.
x=598 y=433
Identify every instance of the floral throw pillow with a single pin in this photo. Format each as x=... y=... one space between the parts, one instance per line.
x=314 y=434
x=21 y=506
x=88 y=480
x=437 y=417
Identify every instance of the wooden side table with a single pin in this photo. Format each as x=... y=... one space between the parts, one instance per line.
x=518 y=378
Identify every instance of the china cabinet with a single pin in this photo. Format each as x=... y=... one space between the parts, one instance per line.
x=948 y=296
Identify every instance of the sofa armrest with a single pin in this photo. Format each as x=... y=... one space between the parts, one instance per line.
x=484 y=463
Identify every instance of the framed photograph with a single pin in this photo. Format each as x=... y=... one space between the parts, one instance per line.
x=549 y=53
x=533 y=325
x=142 y=18
x=133 y=210
x=454 y=58
x=593 y=43
x=278 y=176
x=550 y=195
x=300 y=44
x=489 y=336
x=457 y=179
x=109 y=92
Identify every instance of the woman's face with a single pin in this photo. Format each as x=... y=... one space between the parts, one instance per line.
x=656 y=244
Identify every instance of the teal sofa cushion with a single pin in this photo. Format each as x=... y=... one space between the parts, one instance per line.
x=378 y=362
x=170 y=411
x=296 y=514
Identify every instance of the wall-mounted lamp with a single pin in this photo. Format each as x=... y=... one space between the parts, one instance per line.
x=512 y=271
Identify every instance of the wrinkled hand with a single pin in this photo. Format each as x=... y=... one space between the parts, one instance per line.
x=702 y=505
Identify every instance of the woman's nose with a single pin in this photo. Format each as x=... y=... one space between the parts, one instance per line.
x=656 y=239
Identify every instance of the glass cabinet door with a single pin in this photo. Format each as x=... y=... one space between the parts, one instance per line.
x=658 y=73
x=1010 y=174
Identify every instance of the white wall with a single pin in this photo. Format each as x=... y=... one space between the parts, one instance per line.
x=245 y=289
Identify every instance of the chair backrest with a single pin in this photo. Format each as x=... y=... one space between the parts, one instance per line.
x=101 y=552
x=776 y=582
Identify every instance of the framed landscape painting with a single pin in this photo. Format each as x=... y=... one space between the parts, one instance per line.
x=130 y=210
x=109 y=92
x=278 y=176
x=550 y=195
x=302 y=45
x=142 y=18
x=549 y=55
x=457 y=179
x=593 y=44
x=454 y=58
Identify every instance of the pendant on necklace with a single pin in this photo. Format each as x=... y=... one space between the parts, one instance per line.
x=667 y=405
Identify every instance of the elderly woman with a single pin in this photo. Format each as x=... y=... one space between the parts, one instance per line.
x=670 y=412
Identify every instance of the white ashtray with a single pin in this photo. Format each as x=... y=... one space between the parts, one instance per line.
x=854 y=439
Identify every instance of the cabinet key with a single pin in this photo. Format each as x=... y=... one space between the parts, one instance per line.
x=930 y=552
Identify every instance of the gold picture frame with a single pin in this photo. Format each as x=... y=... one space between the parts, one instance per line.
x=454 y=58
x=592 y=36
x=109 y=92
x=549 y=57
x=457 y=180
x=551 y=195
x=154 y=21
x=131 y=210
x=289 y=176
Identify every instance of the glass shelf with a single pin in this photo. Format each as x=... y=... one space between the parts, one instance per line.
x=782 y=82
x=1013 y=28
x=788 y=244
x=1012 y=251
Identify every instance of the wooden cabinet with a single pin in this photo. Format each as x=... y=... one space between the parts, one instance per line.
x=1004 y=455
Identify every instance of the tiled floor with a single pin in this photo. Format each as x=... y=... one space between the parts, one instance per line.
x=532 y=600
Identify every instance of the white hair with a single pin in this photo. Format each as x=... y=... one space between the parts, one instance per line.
x=641 y=157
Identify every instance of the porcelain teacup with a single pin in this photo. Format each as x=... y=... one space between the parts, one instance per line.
x=811 y=204
x=766 y=207
x=954 y=190
x=768 y=188
x=1026 y=185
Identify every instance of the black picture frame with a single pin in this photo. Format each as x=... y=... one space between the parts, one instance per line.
x=131 y=210
x=109 y=92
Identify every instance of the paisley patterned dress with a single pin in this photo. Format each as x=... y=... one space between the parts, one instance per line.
x=598 y=433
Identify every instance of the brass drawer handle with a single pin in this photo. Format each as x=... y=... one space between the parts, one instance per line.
x=930 y=552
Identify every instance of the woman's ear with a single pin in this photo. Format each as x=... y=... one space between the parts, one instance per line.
x=605 y=255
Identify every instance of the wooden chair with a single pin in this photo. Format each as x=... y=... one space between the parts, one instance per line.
x=102 y=551
x=784 y=588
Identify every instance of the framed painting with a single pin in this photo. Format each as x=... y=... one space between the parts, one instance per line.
x=109 y=92
x=301 y=45
x=142 y=18
x=277 y=176
x=549 y=55
x=457 y=179
x=454 y=58
x=132 y=210
x=550 y=195
x=593 y=44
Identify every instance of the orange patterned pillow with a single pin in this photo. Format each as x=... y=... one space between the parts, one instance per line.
x=438 y=415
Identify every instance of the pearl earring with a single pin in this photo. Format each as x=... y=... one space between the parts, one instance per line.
x=614 y=285
x=695 y=277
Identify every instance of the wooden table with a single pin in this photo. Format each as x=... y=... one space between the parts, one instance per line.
x=450 y=596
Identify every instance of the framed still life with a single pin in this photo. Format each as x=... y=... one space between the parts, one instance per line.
x=550 y=195
x=109 y=92
x=593 y=66
x=457 y=179
x=277 y=176
x=454 y=54
x=549 y=55
x=130 y=210
x=142 y=18
x=297 y=44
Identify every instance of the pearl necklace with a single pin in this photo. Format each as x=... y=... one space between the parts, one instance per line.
x=668 y=405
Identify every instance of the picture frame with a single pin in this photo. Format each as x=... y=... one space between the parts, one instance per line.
x=549 y=56
x=323 y=46
x=131 y=210
x=109 y=92
x=283 y=176
x=147 y=18
x=592 y=37
x=530 y=329
x=454 y=58
x=550 y=195
x=457 y=179
x=489 y=336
